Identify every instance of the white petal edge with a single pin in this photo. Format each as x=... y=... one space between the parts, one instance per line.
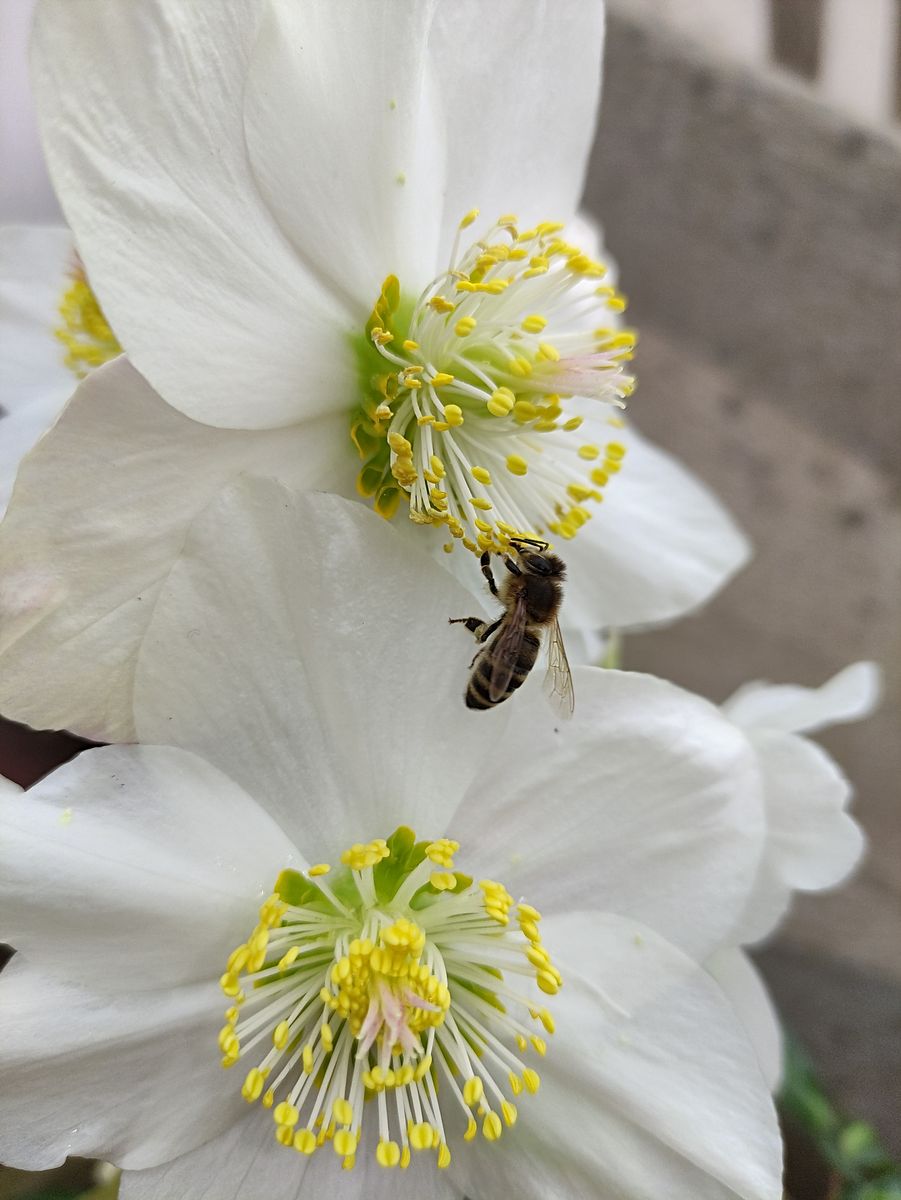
x=812 y=843
x=303 y=647
x=658 y=546
x=34 y=381
x=98 y=516
x=149 y=160
x=130 y=1078
x=649 y=1086
x=135 y=868
x=743 y=987
x=648 y=803
x=851 y=695
x=520 y=145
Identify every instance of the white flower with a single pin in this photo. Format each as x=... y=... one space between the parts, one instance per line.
x=34 y=380
x=232 y=176
x=812 y=843
x=309 y=728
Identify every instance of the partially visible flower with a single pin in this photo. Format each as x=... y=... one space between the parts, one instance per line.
x=812 y=842
x=295 y=262
x=382 y=1009
x=35 y=383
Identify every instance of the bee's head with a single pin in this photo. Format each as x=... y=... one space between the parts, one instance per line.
x=533 y=556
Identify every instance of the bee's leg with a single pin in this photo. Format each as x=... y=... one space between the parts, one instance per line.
x=485 y=560
x=511 y=566
x=477 y=626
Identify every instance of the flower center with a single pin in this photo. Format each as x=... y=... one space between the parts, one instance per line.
x=84 y=331
x=381 y=985
x=464 y=415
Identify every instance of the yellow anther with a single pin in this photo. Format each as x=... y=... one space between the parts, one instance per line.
x=228 y=1041
x=307 y=1058
x=520 y=366
x=515 y=1083
x=549 y=351
x=539 y=1044
x=230 y=984
x=387 y=1154
x=480 y=474
x=516 y=464
x=509 y=1111
x=437 y=466
x=444 y=1156
x=342 y=1112
x=614 y=451
x=440 y=304
x=320 y=869
x=286 y=1114
x=492 y=1127
x=410 y=345
x=345 y=1143
x=482 y=525
x=600 y=477
x=534 y=323
x=421 y=1136
x=305 y=1141
x=252 y=1087
x=280 y=1035
x=481 y=502
x=547 y=983
x=471 y=216
x=443 y=881
x=465 y=326
x=532 y=1080
x=441 y=379
x=399 y=443
x=501 y=402
x=573 y=423
x=589 y=452
x=453 y=414
x=524 y=410
x=473 y=1090
x=325 y=1033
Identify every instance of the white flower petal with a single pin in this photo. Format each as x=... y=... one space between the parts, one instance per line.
x=127 y=839
x=130 y=1078
x=303 y=648
x=740 y=980
x=850 y=695
x=117 y=482
x=345 y=140
x=8 y=788
x=649 y=1087
x=520 y=85
x=246 y=1163
x=812 y=843
x=646 y=804
x=659 y=544
x=150 y=164
x=34 y=381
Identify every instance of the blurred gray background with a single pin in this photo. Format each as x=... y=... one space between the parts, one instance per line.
x=752 y=195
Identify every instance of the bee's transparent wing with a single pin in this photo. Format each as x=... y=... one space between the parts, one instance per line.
x=558 y=680
x=503 y=652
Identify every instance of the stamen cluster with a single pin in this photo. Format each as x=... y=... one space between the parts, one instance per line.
x=472 y=378
x=380 y=985
x=84 y=330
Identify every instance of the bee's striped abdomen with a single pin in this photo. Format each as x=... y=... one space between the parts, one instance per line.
x=477 y=691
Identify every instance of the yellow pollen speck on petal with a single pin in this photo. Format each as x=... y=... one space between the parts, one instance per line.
x=400 y=178
x=480 y=474
x=517 y=465
x=465 y=326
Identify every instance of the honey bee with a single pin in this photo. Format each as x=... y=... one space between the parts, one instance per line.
x=531 y=594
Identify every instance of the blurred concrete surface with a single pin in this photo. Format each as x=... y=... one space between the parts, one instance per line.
x=759 y=238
